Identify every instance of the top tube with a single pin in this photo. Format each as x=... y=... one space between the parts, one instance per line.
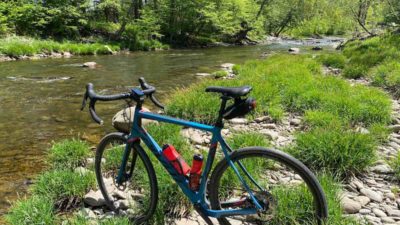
x=168 y=119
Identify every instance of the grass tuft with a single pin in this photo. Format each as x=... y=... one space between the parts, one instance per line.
x=58 y=184
x=68 y=154
x=34 y=210
x=333 y=60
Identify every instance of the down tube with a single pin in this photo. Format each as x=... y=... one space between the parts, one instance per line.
x=157 y=151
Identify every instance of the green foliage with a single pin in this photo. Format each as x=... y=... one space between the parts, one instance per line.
x=387 y=75
x=341 y=152
x=298 y=88
x=68 y=154
x=333 y=60
x=363 y=55
x=19 y=46
x=61 y=184
x=236 y=69
x=290 y=211
x=355 y=71
x=179 y=205
x=34 y=210
x=220 y=74
x=395 y=165
x=247 y=139
x=331 y=106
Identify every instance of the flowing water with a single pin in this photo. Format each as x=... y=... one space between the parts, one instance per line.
x=40 y=100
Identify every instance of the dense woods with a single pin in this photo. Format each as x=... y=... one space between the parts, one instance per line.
x=137 y=24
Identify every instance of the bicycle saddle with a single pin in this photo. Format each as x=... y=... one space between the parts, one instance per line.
x=230 y=91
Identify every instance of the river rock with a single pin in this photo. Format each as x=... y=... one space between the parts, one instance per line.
x=379 y=213
x=94 y=198
x=382 y=169
x=363 y=200
x=123 y=119
x=395 y=128
x=238 y=121
x=294 y=50
x=374 y=196
x=317 y=48
x=203 y=74
x=227 y=66
x=350 y=206
x=90 y=64
x=67 y=54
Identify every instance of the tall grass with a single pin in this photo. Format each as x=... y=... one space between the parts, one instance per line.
x=20 y=46
x=34 y=210
x=68 y=154
x=286 y=83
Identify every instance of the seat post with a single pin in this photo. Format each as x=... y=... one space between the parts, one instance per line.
x=219 y=122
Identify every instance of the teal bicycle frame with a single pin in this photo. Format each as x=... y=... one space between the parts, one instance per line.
x=198 y=198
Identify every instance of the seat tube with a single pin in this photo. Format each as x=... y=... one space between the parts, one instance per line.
x=219 y=123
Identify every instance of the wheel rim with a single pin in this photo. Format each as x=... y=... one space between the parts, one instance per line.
x=132 y=197
x=285 y=196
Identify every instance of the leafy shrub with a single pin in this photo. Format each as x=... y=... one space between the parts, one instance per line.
x=60 y=184
x=35 y=210
x=333 y=60
x=341 y=152
x=68 y=154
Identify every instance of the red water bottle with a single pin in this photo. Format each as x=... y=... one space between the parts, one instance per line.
x=195 y=172
x=176 y=160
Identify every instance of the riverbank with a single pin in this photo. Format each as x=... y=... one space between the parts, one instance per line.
x=20 y=48
x=333 y=126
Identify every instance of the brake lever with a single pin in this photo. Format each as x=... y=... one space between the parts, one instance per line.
x=85 y=97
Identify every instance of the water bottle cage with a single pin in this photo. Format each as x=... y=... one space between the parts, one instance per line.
x=239 y=108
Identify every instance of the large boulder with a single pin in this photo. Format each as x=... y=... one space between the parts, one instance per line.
x=123 y=119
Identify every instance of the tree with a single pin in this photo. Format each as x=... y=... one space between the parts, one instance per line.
x=360 y=13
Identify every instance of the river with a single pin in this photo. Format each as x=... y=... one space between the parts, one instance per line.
x=40 y=100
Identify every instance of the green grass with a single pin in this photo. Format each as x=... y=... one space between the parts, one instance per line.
x=342 y=152
x=298 y=88
x=395 y=165
x=19 y=46
x=68 y=154
x=220 y=74
x=247 y=139
x=333 y=109
x=61 y=184
x=333 y=60
x=364 y=55
x=172 y=202
x=34 y=210
x=291 y=212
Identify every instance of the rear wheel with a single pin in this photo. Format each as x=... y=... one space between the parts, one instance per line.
x=287 y=190
x=137 y=194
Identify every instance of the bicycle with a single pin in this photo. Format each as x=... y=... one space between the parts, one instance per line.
x=120 y=158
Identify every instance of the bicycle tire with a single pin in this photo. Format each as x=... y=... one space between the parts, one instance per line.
x=309 y=178
x=117 y=136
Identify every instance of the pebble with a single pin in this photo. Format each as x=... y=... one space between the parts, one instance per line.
x=372 y=194
x=350 y=206
x=94 y=198
x=379 y=213
x=238 y=121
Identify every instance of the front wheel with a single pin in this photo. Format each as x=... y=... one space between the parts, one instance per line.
x=287 y=191
x=137 y=195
